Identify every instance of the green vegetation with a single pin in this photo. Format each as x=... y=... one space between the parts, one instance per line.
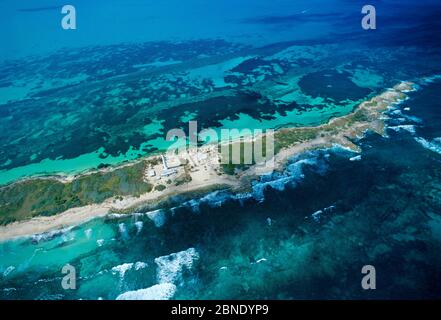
x=45 y=197
x=182 y=179
x=160 y=187
x=153 y=161
x=358 y=116
x=229 y=167
x=284 y=138
x=287 y=137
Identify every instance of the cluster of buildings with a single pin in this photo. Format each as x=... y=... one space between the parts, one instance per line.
x=203 y=164
x=169 y=168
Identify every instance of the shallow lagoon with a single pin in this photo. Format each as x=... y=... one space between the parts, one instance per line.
x=117 y=123
x=305 y=235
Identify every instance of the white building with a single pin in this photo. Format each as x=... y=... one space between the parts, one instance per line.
x=169 y=163
x=152 y=173
x=168 y=172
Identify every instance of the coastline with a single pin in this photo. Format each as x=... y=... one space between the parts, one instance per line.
x=348 y=129
x=80 y=215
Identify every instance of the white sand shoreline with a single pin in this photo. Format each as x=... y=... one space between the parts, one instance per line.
x=81 y=215
x=204 y=180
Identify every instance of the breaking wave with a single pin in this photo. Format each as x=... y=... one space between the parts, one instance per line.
x=434 y=145
x=431 y=79
x=162 y=291
x=170 y=267
x=139 y=225
x=404 y=127
x=46 y=236
x=291 y=176
x=316 y=216
x=157 y=216
x=88 y=233
x=123 y=268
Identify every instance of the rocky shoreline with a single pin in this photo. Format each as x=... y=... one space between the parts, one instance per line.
x=341 y=131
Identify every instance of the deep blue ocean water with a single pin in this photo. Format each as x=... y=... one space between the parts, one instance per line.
x=304 y=233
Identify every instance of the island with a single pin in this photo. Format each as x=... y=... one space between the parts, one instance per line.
x=40 y=204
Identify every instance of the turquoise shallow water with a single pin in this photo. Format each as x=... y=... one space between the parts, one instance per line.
x=132 y=120
x=100 y=102
x=304 y=233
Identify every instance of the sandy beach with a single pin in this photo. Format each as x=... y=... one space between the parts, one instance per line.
x=38 y=225
x=76 y=216
x=208 y=175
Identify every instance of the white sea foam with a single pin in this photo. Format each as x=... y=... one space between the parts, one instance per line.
x=116 y=215
x=432 y=79
x=122 y=229
x=88 y=233
x=242 y=197
x=406 y=117
x=69 y=236
x=122 y=269
x=434 y=145
x=139 y=225
x=356 y=158
x=193 y=204
x=140 y=265
x=278 y=184
x=275 y=180
x=214 y=199
x=413 y=119
x=318 y=214
x=269 y=221
x=8 y=271
x=173 y=210
x=170 y=267
x=157 y=216
x=406 y=127
x=292 y=175
x=162 y=291
x=50 y=234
